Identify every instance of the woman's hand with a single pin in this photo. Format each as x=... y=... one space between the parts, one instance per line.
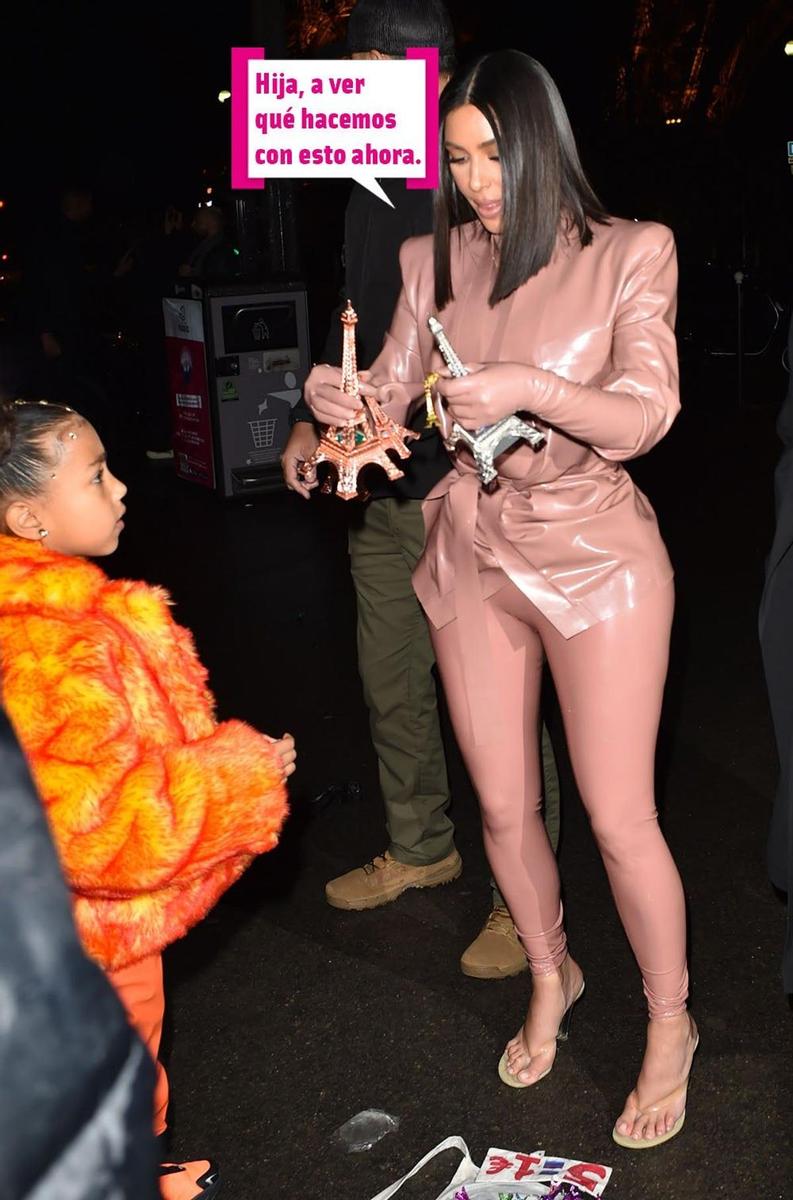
x=329 y=404
x=489 y=392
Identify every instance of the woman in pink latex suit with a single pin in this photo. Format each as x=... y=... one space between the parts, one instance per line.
x=564 y=313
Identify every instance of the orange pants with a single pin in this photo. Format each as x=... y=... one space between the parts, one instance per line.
x=140 y=989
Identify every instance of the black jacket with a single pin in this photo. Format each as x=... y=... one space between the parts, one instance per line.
x=373 y=234
x=776 y=639
x=75 y=1082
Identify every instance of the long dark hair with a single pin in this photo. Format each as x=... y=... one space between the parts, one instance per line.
x=543 y=181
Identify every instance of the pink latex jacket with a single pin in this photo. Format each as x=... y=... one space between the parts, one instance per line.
x=566 y=524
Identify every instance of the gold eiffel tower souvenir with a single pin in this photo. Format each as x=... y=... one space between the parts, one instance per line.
x=364 y=439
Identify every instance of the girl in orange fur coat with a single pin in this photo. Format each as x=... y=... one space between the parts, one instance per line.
x=155 y=808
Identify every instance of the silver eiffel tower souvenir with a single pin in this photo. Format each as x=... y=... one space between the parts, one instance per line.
x=488 y=441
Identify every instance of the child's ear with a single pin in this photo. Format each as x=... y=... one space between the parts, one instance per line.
x=21 y=521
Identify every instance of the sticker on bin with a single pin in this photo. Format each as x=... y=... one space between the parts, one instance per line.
x=263 y=433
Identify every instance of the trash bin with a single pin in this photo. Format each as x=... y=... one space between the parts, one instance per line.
x=231 y=418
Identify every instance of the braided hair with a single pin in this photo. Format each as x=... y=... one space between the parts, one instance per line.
x=28 y=456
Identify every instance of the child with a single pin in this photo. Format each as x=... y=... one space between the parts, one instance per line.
x=155 y=808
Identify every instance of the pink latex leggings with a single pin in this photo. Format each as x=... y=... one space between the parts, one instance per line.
x=609 y=680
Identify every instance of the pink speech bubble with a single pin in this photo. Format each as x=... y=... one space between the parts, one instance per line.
x=240 y=57
x=424 y=125
x=430 y=56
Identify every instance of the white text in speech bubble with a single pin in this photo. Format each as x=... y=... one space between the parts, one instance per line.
x=303 y=120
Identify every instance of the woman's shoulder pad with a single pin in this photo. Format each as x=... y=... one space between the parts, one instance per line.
x=415 y=252
x=635 y=234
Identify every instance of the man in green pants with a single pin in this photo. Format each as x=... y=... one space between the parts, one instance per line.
x=386 y=540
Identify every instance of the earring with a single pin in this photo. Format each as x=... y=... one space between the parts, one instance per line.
x=44 y=533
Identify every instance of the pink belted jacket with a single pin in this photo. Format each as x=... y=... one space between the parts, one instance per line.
x=566 y=523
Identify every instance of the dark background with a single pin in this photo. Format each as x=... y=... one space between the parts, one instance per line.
x=124 y=98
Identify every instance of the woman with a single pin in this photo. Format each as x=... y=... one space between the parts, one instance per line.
x=565 y=313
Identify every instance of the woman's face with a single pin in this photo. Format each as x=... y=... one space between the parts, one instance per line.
x=472 y=154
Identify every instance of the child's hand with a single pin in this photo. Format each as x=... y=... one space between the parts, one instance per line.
x=285 y=749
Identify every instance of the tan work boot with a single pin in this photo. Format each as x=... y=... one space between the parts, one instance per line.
x=384 y=878
x=496 y=953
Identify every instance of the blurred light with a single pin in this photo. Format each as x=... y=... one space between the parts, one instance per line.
x=3 y=258
x=209 y=191
x=674 y=121
x=208 y=204
x=224 y=96
x=789 y=48
x=2 y=203
x=236 y=251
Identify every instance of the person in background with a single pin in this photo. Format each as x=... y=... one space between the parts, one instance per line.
x=146 y=273
x=776 y=640
x=65 y=303
x=212 y=259
x=386 y=539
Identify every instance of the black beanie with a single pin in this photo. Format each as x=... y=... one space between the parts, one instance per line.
x=393 y=26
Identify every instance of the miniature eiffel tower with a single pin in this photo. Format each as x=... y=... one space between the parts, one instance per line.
x=363 y=440
x=488 y=441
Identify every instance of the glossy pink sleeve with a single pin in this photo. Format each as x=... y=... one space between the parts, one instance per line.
x=634 y=406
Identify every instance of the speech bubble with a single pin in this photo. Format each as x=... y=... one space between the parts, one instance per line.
x=295 y=119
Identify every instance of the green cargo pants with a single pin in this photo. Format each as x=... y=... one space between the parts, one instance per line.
x=395 y=660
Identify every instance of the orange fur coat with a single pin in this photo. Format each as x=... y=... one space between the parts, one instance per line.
x=155 y=808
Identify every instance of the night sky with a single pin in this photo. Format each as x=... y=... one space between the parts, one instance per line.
x=124 y=98
x=98 y=89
